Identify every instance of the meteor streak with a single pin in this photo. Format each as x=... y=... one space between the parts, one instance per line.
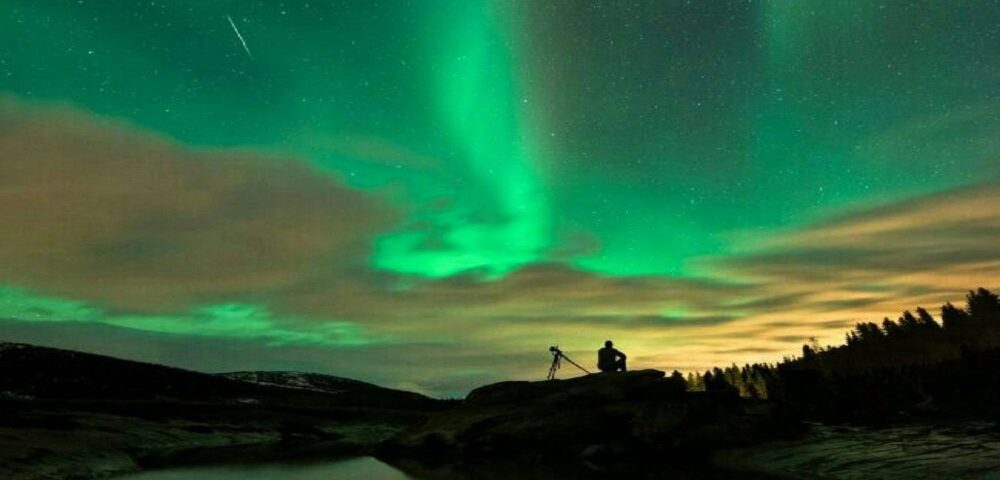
x=239 y=36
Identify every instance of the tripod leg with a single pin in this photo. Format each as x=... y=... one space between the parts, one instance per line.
x=553 y=367
x=575 y=364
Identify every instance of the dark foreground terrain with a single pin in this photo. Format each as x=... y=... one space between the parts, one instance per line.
x=635 y=416
x=67 y=414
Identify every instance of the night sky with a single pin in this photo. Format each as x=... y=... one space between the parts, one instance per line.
x=427 y=194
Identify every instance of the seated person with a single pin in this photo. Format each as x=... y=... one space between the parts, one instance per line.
x=609 y=359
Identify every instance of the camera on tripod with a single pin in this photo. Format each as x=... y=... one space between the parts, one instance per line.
x=557 y=357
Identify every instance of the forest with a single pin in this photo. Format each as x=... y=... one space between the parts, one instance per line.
x=916 y=365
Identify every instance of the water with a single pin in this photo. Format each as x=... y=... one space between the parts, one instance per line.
x=362 y=468
x=369 y=468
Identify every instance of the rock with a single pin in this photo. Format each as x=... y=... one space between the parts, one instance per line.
x=913 y=451
x=638 y=413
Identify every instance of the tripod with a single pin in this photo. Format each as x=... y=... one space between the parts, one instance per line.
x=557 y=356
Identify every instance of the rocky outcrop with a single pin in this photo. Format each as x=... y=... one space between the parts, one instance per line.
x=612 y=415
x=951 y=449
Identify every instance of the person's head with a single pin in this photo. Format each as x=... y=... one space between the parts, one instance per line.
x=608 y=344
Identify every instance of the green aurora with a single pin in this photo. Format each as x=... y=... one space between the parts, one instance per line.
x=622 y=142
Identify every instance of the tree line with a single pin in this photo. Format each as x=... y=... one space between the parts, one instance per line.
x=915 y=364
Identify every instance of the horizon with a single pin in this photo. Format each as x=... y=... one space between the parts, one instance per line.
x=575 y=370
x=426 y=197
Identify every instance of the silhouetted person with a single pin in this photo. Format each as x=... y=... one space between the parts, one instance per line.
x=609 y=359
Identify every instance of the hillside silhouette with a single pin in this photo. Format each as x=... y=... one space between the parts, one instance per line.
x=914 y=365
x=69 y=414
x=52 y=374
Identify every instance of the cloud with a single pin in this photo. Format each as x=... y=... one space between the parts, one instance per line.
x=861 y=265
x=100 y=210
x=953 y=230
x=136 y=231
x=226 y=321
x=537 y=298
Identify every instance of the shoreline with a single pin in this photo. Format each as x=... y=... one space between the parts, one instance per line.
x=926 y=449
x=81 y=445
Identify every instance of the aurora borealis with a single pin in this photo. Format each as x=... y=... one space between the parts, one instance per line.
x=428 y=194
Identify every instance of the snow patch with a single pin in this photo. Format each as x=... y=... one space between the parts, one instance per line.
x=11 y=346
x=7 y=395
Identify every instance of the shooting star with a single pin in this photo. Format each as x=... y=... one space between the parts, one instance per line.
x=239 y=36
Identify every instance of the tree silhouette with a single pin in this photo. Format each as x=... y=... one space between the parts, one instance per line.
x=984 y=306
x=925 y=322
x=953 y=318
x=891 y=328
x=898 y=368
x=908 y=323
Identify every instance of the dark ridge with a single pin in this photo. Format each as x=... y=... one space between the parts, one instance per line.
x=328 y=384
x=29 y=372
x=912 y=367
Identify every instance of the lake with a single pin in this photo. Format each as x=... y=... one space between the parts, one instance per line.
x=372 y=469
x=348 y=469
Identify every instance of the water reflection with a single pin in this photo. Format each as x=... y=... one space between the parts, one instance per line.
x=519 y=470
x=411 y=469
x=366 y=468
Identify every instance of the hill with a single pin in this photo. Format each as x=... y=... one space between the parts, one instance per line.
x=68 y=414
x=915 y=367
x=43 y=373
x=345 y=390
